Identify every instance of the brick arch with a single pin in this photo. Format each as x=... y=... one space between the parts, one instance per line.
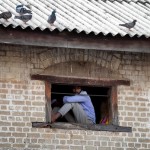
x=60 y=55
x=80 y=69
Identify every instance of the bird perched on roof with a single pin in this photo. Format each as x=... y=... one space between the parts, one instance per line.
x=21 y=10
x=6 y=15
x=52 y=18
x=24 y=18
x=129 y=25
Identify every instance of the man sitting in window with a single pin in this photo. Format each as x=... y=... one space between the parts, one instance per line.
x=81 y=106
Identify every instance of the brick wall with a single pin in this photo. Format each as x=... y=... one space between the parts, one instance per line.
x=23 y=101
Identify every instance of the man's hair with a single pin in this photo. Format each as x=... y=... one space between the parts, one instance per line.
x=77 y=86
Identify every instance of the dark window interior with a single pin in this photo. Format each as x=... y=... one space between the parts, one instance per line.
x=100 y=97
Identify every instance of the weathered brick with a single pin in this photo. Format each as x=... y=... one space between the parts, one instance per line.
x=22 y=124
x=76 y=147
x=137 y=145
x=104 y=138
x=62 y=147
x=90 y=148
x=34 y=146
x=143 y=119
x=118 y=145
x=5 y=145
x=49 y=136
x=111 y=144
x=4 y=140
x=18 y=114
x=128 y=108
x=33 y=135
x=144 y=140
x=19 y=145
x=3 y=107
x=19 y=134
x=130 y=118
x=88 y=137
x=130 y=98
x=4 y=102
x=56 y=142
x=38 y=103
x=16 y=91
x=38 y=114
x=131 y=140
x=79 y=142
x=5 y=134
x=117 y=139
x=5 y=91
x=108 y=148
x=12 y=140
x=142 y=109
x=96 y=143
x=18 y=102
x=62 y=136
x=90 y=142
x=18 y=129
x=6 y=113
x=50 y=146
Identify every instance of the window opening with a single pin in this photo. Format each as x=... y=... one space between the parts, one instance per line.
x=99 y=90
x=100 y=97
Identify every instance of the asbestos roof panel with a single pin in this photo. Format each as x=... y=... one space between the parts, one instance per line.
x=96 y=16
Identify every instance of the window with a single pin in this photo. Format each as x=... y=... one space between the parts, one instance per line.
x=103 y=94
x=100 y=97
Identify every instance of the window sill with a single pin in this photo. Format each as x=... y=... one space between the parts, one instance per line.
x=74 y=126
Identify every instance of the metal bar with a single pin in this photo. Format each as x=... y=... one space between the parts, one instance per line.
x=80 y=94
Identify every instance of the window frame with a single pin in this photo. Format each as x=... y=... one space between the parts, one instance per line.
x=113 y=125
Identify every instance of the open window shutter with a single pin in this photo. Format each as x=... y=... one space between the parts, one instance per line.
x=114 y=105
x=110 y=106
x=48 y=101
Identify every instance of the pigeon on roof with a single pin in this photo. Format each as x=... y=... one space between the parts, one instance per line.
x=52 y=18
x=21 y=10
x=129 y=25
x=24 y=18
x=6 y=15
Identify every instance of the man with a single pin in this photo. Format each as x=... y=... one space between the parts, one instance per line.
x=81 y=106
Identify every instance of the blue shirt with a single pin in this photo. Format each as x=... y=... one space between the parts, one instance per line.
x=85 y=101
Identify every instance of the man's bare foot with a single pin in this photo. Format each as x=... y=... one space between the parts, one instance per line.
x=55 y=116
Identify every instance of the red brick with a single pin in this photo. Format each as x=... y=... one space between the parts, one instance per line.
x=5 y=91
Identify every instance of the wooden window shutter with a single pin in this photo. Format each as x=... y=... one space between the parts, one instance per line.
x=48 y=101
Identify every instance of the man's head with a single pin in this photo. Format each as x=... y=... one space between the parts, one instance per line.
x=77 y=89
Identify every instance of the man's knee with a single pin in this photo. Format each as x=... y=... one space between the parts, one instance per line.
x=74 y=104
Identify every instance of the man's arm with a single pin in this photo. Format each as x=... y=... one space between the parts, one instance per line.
x=74 y=99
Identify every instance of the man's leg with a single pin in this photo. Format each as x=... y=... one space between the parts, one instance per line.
x=78 y=112
x=56 y=114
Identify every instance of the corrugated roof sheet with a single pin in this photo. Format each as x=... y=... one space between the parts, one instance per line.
x=97 y=16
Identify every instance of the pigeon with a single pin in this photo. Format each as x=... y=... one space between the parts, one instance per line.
x=52 y=18
x=129 y=25
x=24 y=18
x=6 y=15
x=21 y=10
